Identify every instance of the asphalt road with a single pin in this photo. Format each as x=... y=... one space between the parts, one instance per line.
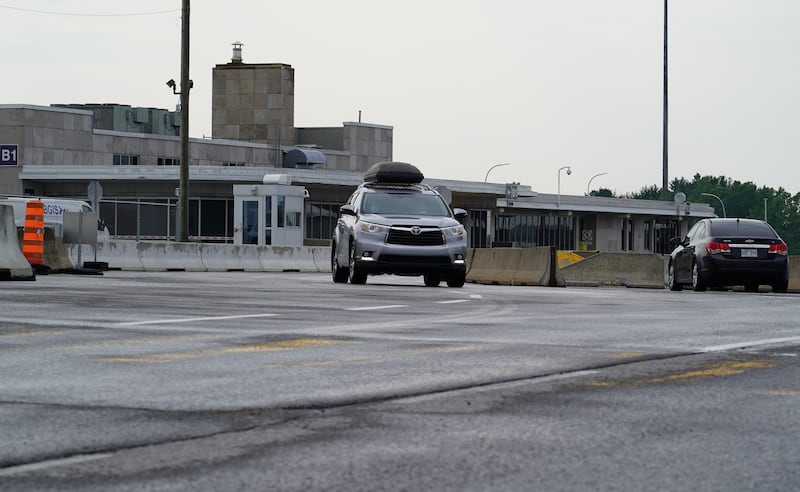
x=254 y=381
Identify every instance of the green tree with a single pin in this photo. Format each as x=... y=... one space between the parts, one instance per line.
x=604 y=192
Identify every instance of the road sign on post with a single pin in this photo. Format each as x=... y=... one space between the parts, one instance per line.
x=95 y=192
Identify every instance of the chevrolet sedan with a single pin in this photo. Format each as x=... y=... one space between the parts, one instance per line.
x=729 y=252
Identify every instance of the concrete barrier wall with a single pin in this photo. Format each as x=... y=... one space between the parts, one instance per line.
x=119 y=254
x=494 y=266
x=13 y=264
x=794 y=274
x=213 y=257
x=624 y=269
x=500 y=266
x=515 y=266
x=163 y=256
x=290 y=258
x=56 y=256
x=534 y=267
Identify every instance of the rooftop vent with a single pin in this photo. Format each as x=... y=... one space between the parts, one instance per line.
x=237 y=52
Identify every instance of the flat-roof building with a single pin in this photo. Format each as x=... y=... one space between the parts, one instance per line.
x=134 y=153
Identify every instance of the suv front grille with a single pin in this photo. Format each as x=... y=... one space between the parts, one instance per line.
x=426 y=237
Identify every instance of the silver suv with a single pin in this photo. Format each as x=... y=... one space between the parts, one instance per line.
x=394 y=224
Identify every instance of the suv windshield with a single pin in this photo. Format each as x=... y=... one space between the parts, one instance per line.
x=405 y=204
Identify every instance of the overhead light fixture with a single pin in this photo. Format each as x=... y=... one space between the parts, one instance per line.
x=172 y=85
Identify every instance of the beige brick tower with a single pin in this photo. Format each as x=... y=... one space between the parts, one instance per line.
x=253 y=102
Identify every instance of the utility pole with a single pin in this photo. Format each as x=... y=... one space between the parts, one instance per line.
x=665 y=145
x=183 y=199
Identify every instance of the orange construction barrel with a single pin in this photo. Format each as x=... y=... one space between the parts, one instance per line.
x=33 y=236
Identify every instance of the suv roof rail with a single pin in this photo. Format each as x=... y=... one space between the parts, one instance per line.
x=406 y=186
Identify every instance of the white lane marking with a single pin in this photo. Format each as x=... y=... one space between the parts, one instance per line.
x=471 y=296
x=754 y=343
x=191 y=320
x=372 y=308
x=452 y=302
x=72 y=460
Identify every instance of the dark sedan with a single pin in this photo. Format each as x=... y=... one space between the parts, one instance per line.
x=728 y=252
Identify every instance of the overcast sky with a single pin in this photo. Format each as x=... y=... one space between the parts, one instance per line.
x=466 y=84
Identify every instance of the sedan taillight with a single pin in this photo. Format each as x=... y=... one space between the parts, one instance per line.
x=714 y=247
x=779 y=248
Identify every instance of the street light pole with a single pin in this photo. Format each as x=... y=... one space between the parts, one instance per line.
x=590 y=182
x=724 y=214
x=183 y=199
x=665 y=143
x=486 y=179
x=569 y=171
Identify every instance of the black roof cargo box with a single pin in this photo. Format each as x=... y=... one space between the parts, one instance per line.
x=393 y=172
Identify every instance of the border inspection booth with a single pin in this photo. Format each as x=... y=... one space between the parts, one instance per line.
x=269 y=214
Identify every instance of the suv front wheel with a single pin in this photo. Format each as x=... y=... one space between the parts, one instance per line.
x=456 y=280
x=357 y=275
x=340 y=274
x=432 y=279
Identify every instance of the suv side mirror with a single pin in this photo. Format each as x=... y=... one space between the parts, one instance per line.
x=459 y=213
x=347 y=210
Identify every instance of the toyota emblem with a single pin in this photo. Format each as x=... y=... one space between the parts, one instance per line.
x=416 y=230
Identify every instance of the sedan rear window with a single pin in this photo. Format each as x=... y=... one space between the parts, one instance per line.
x=741 y=228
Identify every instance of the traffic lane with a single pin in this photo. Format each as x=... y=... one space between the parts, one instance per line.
x=573 y=315
x=702 y=422
x=377 y=351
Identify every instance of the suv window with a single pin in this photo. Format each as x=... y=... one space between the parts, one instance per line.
x=405 y=203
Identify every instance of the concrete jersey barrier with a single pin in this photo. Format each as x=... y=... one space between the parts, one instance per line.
x=494 y=266
x=536 y=268
x=794 y=274
x=13 y=264
x=623 y=269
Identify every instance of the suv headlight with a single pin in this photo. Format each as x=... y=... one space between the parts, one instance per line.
x=373 y=228
x=454 y=231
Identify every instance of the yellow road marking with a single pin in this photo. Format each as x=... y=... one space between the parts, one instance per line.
x=628 y=355
x=784 y=393
x=282 y=345
x=372 y=360
x=603 y=384
x=444 y=350
x=251 y=348
x=717 y=370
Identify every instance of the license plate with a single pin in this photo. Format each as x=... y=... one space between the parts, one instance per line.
x=749 y=253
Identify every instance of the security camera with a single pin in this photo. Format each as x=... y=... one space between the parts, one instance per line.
x=569 y=171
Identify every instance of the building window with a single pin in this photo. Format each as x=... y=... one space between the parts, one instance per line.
x=126 y=160
x=320 y=219
x=233 y=164
x=169 y=161
x=525 y=231
x=479 y=229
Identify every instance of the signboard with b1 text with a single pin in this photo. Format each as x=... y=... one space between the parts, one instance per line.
x=8 y=154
